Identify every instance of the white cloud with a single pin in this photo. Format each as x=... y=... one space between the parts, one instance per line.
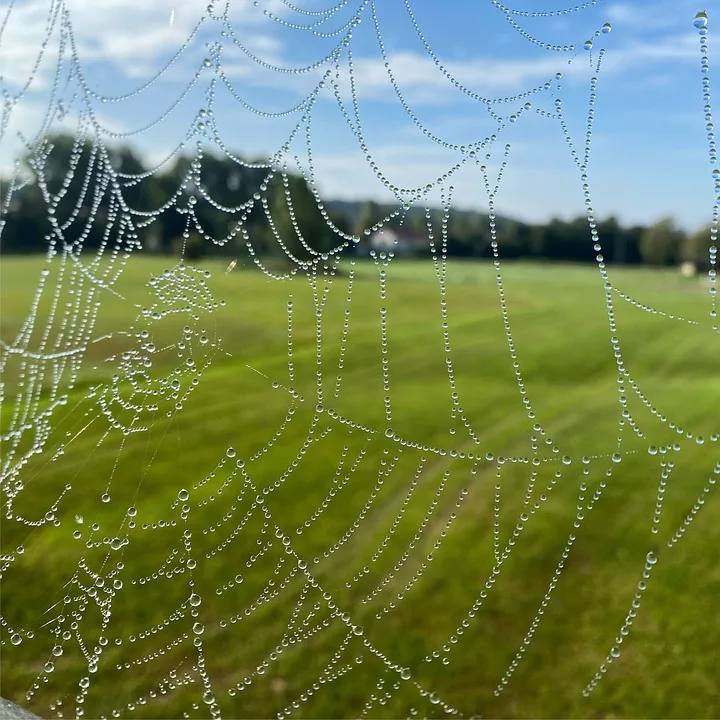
x=130 y=34
x=136 y=36
x=420 y=80
x=660 y=15
x=417 y=73
x=26 y=121
x=624 y=13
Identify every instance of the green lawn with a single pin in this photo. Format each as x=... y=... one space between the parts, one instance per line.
x=417 y=486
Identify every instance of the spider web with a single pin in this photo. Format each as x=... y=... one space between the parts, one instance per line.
x=238 y=589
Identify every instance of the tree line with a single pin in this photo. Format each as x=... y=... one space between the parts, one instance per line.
x=217 y=205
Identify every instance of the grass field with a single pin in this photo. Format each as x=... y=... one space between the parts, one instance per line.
x=296 y=454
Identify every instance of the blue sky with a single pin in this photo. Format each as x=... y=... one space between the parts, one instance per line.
x=649 y=152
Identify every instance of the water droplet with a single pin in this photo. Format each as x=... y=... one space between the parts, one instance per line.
x=230 y=452
x=606 y=28
x=198 y=628
x=651 y=558
x=183 y=495
x=195 y=600
x=588 y=44
x=15 y=639
x=701 y=20
x=405 y=674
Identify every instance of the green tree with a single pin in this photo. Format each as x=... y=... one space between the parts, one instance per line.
x=696 y=248
x=70 y=175
x=341 y=221
x=613 y=240
x=78 y=178
x=368 y=216
x=298 y=217
x=230 y=184
x=661 y=243
x=192 y=248
x=138 y=194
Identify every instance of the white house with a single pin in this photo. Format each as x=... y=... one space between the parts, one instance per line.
x=401 y=241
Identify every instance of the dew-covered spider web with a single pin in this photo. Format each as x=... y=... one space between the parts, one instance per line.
x=304 y=476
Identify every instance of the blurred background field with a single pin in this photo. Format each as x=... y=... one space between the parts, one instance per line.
x=248 y=425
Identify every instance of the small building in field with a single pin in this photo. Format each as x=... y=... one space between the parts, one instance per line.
x=403 y=242
x=697 y=266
